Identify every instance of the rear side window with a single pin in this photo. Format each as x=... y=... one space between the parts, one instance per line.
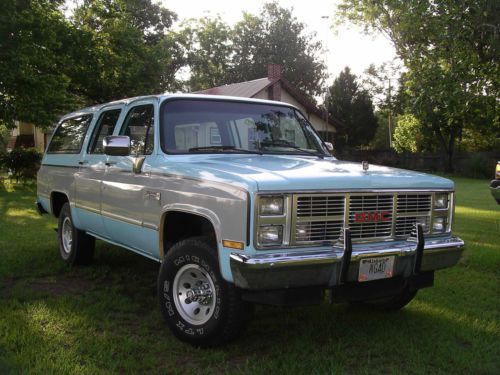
x=69 y=136
x=104 y=127
x=139 y=126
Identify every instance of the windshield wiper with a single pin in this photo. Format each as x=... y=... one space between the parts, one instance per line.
x=285 y=143
x=224 y=148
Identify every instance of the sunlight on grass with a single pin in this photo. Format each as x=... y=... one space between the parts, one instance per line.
x=14 y=212
x=485 y=326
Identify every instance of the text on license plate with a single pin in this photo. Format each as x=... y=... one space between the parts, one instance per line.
x=375 y=268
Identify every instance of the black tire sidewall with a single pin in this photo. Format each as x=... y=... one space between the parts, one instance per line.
x=200 y=254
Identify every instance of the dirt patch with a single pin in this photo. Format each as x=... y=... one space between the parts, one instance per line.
x=55 y=286
x=60 y=285
x=6 y=285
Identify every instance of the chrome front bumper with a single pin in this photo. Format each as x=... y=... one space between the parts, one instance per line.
x=340 y=263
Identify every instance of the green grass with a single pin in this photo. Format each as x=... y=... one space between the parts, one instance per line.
x=104 y=318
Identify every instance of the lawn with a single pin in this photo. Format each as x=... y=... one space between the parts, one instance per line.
x=104 y=318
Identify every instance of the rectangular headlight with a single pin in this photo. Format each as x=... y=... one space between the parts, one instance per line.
x=270 y=235
x=439 y=224
x=271 y=206
x=441 y=200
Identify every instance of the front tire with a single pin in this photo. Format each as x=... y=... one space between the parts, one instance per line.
x=75 y=246
x=199 y=306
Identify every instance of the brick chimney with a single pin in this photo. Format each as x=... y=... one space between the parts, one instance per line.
x=274 y=75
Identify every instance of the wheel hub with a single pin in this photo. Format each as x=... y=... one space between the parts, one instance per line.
x=67 y=235
x=194 y=294
x=200 y=293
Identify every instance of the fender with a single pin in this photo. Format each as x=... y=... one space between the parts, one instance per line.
x=189 y=209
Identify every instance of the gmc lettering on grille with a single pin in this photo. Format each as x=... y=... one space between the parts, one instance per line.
x=364 y=217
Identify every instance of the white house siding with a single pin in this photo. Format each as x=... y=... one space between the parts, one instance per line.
x=318 y=123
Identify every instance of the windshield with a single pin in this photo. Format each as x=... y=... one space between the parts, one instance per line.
x=215 y=126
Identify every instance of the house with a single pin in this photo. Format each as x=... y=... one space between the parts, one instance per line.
x=28 y=135
x=276 y=87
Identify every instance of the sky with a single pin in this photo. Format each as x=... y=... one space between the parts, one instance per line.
x=347 y=46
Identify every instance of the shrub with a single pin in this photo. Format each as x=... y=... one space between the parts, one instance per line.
x=407 y=135
x=21 y=163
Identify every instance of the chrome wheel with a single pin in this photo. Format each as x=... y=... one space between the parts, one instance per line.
x=194 y=294
x=67 y=235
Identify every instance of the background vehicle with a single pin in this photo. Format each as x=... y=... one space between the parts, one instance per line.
x=495 y=184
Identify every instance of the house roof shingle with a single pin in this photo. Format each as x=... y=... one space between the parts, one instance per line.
x=245 y=89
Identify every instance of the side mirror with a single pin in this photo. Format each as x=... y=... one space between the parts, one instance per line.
x=329 y=146
x=116 y=145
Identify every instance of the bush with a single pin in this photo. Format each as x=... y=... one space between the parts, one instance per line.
x=22 y=164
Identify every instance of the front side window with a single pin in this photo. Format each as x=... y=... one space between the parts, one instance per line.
x=139 y=126
x=68 y=137
x=194 y=126
x=104 y=127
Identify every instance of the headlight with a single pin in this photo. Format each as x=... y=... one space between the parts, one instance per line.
x=439 y=224
x=270 y=206
x=270 y=235
x=441 y=201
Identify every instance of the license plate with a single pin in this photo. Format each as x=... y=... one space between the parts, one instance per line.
x=375 y=268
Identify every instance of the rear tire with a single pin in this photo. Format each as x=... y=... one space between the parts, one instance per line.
x=199 y=306
x=392 y=303
x=75 y=246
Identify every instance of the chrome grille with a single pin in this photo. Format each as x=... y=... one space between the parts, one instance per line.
x=319 y=218
x=405 y=225
x=418 y=203
x=313 y=206
x=362 y=208
x=314 y=231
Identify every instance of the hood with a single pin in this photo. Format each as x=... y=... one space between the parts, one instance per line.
x=292 y=172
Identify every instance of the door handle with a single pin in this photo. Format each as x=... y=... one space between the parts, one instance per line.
x=110 y=163
x=82 y=162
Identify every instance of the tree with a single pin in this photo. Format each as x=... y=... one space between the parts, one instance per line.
x=128 y=50
x=276 y=36
x=33 y=53
x=209 y=49
x=451 y=52
x=407 y=135
x=220 y=55
x=353 y=108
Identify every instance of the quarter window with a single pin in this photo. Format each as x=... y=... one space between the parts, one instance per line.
x=105 y=126
x=68 y=137
x=139 y=126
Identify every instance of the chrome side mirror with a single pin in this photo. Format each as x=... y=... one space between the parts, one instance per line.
x=116 y=145
x=329 y=146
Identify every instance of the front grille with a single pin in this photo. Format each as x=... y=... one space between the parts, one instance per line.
x=418 y=203
x=314 y=231
x=320 y=218
x=314 y=206
x=404 y=225
x=379 y=206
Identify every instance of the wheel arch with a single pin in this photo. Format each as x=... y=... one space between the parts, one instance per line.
x=207 y=222
x=57 y=201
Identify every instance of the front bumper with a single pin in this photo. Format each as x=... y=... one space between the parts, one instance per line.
x=495 y=190
x=340 y=264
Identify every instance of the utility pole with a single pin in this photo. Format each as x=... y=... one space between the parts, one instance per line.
x=325 y=100
x=389 y=117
